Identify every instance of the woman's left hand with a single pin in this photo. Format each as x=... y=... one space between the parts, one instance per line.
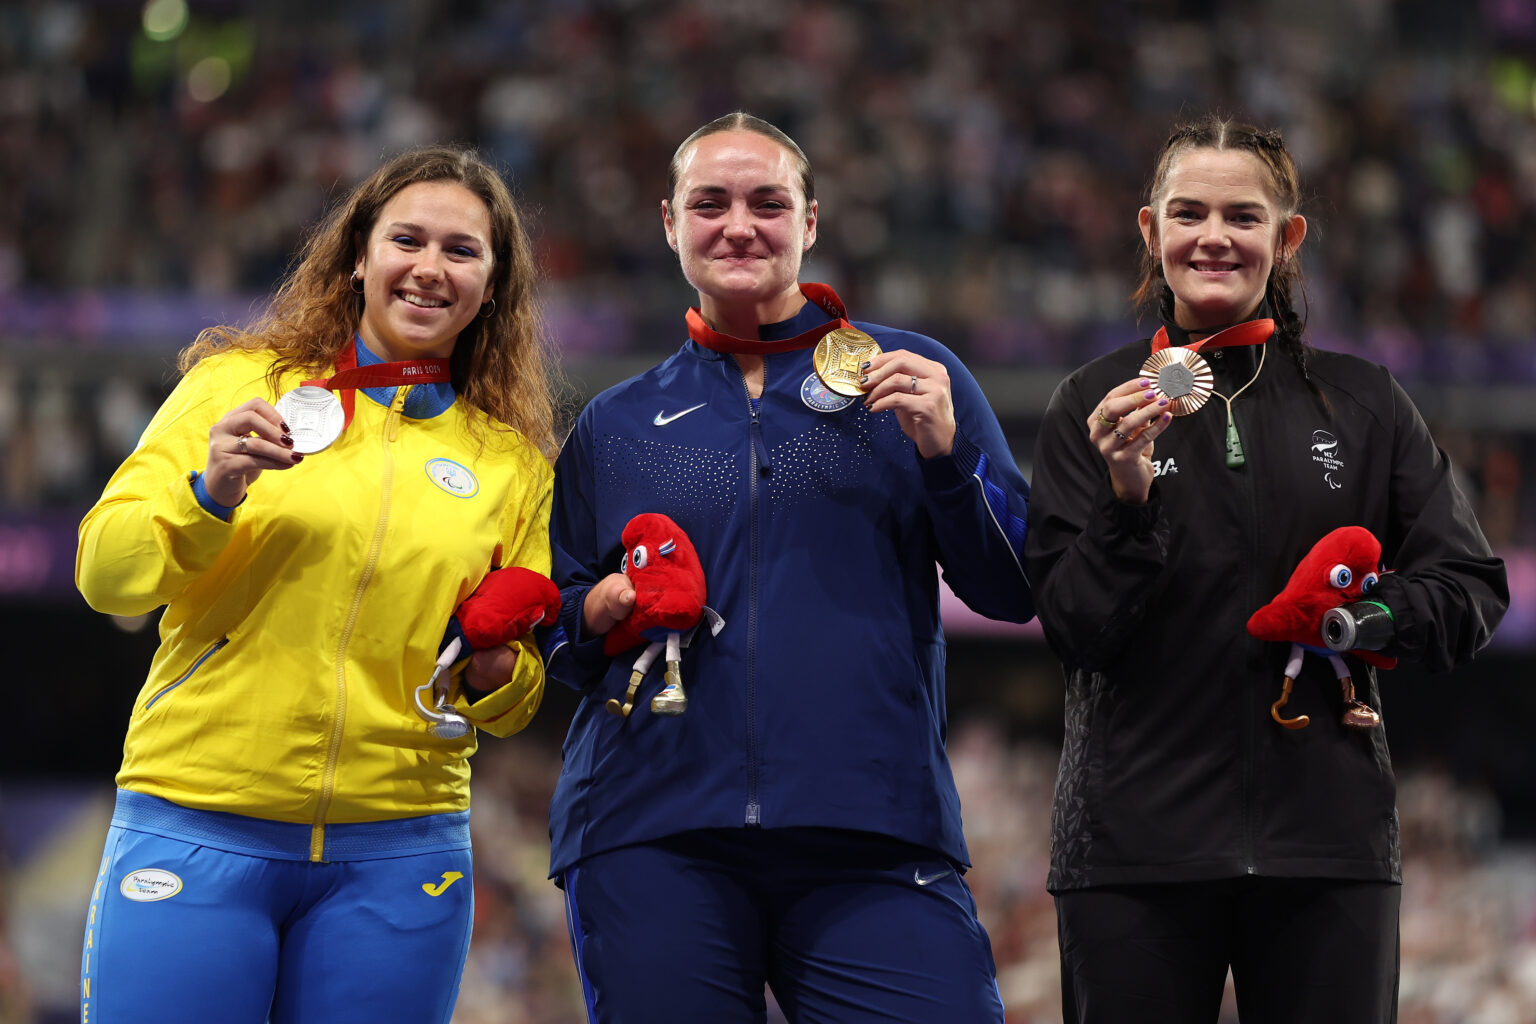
x=490 y=669
x=917 y=389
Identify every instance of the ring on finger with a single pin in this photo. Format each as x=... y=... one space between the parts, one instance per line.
x=1105 y=419
x=1124 y=437
x=914 y=385
x=240 y=445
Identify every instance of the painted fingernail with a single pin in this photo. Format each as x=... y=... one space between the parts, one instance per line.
x=864 y=379
x=1143 y=382
x=1162 y=401
x=288 y=441
x=1165 y=417
x=864 y=365
x=1151 y=395
x=285 y=427
x=298 y=456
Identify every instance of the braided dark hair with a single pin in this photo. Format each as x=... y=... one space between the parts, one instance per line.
x=1212 y=132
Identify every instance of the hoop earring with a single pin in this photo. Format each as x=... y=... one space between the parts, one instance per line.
x=484 y=315
x=356 y=283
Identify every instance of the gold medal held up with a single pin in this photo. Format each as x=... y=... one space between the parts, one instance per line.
x=1180 y=375
x=838 y=356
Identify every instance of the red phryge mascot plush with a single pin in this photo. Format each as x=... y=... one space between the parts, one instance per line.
x=1339 y=570
x=660 y=561
x=507 y=603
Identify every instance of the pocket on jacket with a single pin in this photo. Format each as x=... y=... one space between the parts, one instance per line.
x=202 y=659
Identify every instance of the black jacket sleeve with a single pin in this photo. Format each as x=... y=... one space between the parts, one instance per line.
x=1447 y=592
x=1092 y=558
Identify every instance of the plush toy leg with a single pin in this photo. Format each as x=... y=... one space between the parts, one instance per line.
x=642 y=666
x=1292 y=670
x=672 y=700
x=1357 y=714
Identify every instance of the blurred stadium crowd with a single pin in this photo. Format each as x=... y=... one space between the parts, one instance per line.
x=978 y=165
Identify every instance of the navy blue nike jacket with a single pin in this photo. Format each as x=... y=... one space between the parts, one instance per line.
x=821 y=701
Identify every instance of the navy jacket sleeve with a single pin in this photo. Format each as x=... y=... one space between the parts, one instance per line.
x=1090 y=555
x=978 y=502
x=1447 y=591
x=571 y=656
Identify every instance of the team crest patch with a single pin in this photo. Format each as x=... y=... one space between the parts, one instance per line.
x=1326 y=453
x=149 y=885
x=818 y=396
x=453 y=478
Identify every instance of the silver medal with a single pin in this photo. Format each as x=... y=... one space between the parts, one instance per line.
x=314 y=416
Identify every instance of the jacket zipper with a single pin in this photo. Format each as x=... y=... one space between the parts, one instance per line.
x=210 y=652
x=754 y=814
x=375 y=547
x=1249 y=712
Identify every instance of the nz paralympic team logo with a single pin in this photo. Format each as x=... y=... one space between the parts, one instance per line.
x=1325 y=450
x=818 y=396
x=453 y=478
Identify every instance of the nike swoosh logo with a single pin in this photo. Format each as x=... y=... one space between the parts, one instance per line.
x=662 y=419
x=922 y=879
x=449 y=877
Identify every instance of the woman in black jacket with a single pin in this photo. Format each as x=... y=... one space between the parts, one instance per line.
x=1191 y=831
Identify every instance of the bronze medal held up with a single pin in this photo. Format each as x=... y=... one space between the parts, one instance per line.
x=1180 y=375
x=838 y=356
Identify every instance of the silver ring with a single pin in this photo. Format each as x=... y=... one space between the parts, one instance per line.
x=914 y=385
x=240 y=445
x=1123 y=437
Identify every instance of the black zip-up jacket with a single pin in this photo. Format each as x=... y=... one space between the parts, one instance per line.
x=1172 y=768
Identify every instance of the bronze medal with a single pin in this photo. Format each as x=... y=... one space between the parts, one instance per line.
x=1182 y=376
x=838 y=356
x=314 y=416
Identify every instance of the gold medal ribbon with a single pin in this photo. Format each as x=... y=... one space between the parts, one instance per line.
x=821 y=294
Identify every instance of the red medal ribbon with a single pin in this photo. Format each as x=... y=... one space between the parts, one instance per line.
x=821 y=294
x=1253 y=332
x=349 y=377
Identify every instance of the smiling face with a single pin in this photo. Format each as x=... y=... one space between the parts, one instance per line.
x=1218 y=230
x=426 y=269
x=739 y=222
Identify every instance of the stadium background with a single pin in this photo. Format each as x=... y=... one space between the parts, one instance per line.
x=979 y=165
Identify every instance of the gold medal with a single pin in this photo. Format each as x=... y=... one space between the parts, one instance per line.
x=314 y=416
x=838 y=356
x=1180 y=375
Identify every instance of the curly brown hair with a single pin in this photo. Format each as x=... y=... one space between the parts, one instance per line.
x=501 y=363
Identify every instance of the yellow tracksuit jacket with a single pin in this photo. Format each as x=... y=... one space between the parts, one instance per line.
x=295 y=634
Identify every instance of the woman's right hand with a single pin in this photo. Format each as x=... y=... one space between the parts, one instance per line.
x=1123 y=427
x=249 y=439
x=611 y=599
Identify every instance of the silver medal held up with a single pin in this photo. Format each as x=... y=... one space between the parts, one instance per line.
x=314 y=416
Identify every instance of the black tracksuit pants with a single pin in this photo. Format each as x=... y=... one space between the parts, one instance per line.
x=1301 y=951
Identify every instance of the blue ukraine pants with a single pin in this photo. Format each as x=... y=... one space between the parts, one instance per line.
x=201 y=916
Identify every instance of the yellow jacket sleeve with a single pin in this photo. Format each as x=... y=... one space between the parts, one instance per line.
x=147 y=537
x=525 y=531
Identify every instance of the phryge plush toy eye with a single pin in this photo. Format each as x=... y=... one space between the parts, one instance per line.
x=1369 y=583
x=639 y=557
x=1340 y=576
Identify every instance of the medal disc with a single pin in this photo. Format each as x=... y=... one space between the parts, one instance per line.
x=1182 y=376
x=838 y=356
x=314 y=416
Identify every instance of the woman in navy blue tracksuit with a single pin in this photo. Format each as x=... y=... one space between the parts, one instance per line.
x=799 y=824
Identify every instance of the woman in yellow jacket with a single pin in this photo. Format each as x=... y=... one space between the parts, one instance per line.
x=291 y=836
